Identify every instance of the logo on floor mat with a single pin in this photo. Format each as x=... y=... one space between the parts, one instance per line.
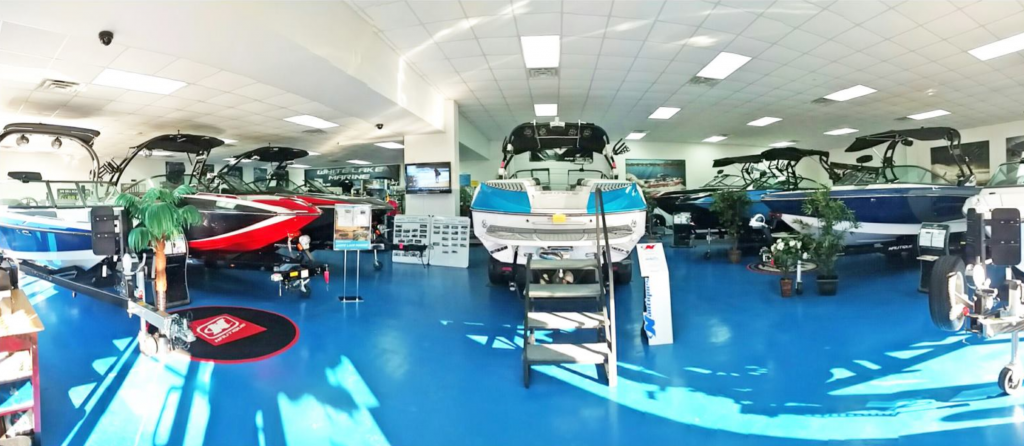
x=222 y=329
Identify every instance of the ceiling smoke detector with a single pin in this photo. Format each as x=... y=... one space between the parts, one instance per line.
x=543 y=73
x=59 y=86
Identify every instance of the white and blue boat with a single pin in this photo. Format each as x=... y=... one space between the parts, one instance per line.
x=520 y=214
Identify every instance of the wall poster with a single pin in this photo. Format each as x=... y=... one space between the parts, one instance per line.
x=657 y=175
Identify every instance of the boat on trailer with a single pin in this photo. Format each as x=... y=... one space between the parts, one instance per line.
x=515 y=216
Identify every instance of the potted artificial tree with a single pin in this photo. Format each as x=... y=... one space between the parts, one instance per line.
x=834 y=221
x=160 y=218
x=785 y=254
x=730 y=206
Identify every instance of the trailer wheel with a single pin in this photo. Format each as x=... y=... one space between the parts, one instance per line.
x=147 y=344
x=305 y=292
x=494 y=273
x=378 y=265
x=947 y=281
x=623 y=273
x=1010 y=380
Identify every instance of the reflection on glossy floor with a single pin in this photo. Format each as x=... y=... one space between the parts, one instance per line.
x=432 y=357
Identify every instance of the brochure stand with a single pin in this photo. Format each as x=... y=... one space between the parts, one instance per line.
x=352 y=232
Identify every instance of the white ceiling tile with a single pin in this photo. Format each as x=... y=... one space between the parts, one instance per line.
x=827 y=24
x=576 y=74
x=123 y=107
x=451 y=30
x=696 y=55
x=687 y=69
x=85 y=50
x=101 y=92
x=475 y=63
x=41 y=97
x=187 y=71
x=808 y=62
x=858 y=11
x=477 y=75
x=205 y=108
x=761 y=66
x=141 y=61
x=583 y=25
x=779 y=54
x=801 y=41
x=30 y=41
x=654 y=50
x=483 y=86
x=310 y=108
x=664 y=32
x=539 y=24
x=496 y=62
x=494 y=26
x=498 y=46
x=924 y=12
x=767 y=30
x=832 y=50
x=514 y=73
x=152 y=110
x=424 y=53
x=686 y=13
x=174 y=102
x=614 y=63
x=536 y=6
x=988 y=11
x=747 y=47
x=730 y=20
x=628 y=29
x=390 y=16
x=792 y=13
x=637 y=9
x=229 y=100
x=642 y=76
x=578 y=61
x=858 y=61
x=411 y=37
x=87 y=103
x=858 y=38
x=259 y=91
x=74 y=71
x=649 y=65
x=138 y=97
x=287 y=100
x=226 y=81
x=916 y=38
x=885 y=50
x=1007 y=27
x=487 y=7
x=460 y=48
x=232 y=113
x=436 y=11
x=623 y=48
x=941 y=50
x=24 y=60
x=709 y=38
x=261 y=108
x=581 y=45
x=195 y=92
x=951 y=25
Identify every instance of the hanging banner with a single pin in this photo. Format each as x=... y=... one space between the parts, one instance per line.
x=332 y=177
x=657 y=316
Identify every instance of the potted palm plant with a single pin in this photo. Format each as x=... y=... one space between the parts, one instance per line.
x=160 y=217
x=834 y=221
x=730 y=206
x=785 y=254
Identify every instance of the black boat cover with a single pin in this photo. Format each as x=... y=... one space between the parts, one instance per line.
x=791 y=154
x=84 y=136
x=182 y=143
x=273 y=154
x=748 y=159
x=585 y=137
x=922 y=134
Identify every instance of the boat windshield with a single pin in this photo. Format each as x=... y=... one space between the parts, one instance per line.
x=726 y=180
x=55 y=194
x=1008 y=175
x=785 y=183
x=316 y=186
x=276 y=186
x=894 y=174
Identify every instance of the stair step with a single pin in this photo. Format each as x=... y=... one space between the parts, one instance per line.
x=545 y=264
x=564 y=320
x=596 y=353
x=563 y=291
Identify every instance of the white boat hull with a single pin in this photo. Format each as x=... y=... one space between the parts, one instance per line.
x=868 y=233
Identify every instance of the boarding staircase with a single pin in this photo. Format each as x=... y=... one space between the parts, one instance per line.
x=593 y=298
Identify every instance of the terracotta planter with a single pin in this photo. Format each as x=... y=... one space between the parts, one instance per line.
x=828 y=285
x=735 y=255
x=786 y=287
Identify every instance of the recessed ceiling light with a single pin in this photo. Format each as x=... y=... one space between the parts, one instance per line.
x=138 y=82
x=999 y=48
x=541 y=51
x=842 y=131
x=359 y=162
x=723 y=65
x=782 y=144
x=298 y=166
x=664 y=113
x=311 y=121
x=545 y=109
x=229 y=141
x=850 y=93
x=764 y=121
x=390 y=145
x=716 y=138
x=639 y=134
x=931 y=114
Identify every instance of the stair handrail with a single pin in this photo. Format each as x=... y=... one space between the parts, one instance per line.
x=606 y=257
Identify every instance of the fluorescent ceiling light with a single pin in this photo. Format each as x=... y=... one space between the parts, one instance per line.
x=160 y=153
x=390 y=145
x=931 y=114
x=231 y=160
x=764 y=121
x=311 y=121
x=664 y=113
x=541 y=51
x=359 y=162
x=850 y=93
x=723 y=65
x=782 y=144
x=229 y=141
x=716 y=138
x=312 y=153
x=636 y=135
x=298 y=166
x=842 y=131
x=138 y=82
x=545 y=109
x=999 y=48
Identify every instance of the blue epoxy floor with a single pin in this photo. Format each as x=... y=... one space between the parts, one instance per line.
x=432 y=358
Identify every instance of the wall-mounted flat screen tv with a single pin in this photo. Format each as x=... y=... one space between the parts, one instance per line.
x=428 y=178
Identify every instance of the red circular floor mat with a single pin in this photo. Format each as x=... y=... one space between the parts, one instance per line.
x=238 y=334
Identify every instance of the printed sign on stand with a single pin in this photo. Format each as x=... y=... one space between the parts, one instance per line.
x=657 y=316
x=352 y=227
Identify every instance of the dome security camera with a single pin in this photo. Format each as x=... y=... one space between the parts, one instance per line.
x=380 y=126
x=106 y=37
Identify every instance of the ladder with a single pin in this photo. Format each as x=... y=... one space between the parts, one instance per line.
x=547 y=284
